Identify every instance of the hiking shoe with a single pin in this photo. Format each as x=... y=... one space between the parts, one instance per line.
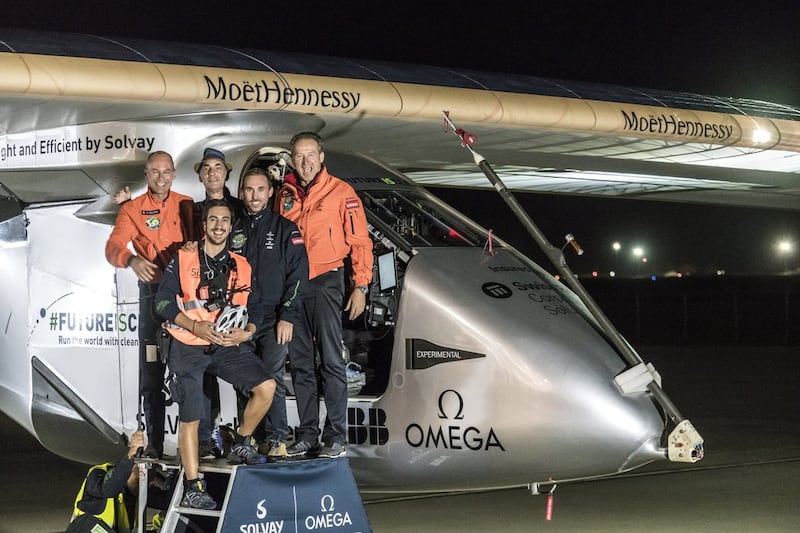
x=207 y=451
x=246 y=453
x=153 y=451
x=302 y=448
x=335 y=449
x=197 y=497
x=277 y=449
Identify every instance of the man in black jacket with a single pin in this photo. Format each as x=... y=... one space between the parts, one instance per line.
x=274 y=248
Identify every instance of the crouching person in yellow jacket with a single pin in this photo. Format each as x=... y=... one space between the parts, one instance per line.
x=107 y=498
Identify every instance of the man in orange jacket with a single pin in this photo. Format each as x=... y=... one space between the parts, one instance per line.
x=333 y=224
x=157 y=223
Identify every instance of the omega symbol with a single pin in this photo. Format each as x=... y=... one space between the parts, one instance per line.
x=326 y=504
x=446 y=406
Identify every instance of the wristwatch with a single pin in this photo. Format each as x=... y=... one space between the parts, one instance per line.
x=362 y=288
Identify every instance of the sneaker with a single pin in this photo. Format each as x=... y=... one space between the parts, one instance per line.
x=335 y=449
x=302 y=448
x=277 y=449
x=153 y=451
x=197 y=497
x=246 y=453
x=207 y=451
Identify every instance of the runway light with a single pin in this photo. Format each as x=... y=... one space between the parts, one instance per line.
x=594 y=273
x=616 y=246
x=612 y=273
x=638 y=251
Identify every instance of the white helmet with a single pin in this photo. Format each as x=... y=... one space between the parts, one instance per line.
x=233 y=316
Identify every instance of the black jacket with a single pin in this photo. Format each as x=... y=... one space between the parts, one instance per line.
x=274 y=248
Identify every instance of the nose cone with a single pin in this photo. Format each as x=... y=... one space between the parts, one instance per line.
x=517 y=358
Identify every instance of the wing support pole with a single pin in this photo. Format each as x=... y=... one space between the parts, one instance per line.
x=684 y=434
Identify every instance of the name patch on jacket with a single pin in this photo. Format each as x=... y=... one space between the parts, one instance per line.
x=153 y=222
x=151 y=212
x=351 y=203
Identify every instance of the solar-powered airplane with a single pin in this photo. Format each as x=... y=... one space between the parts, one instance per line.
x=481 y=368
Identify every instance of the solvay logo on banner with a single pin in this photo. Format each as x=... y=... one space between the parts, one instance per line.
x=261 y=510
x=328 y=516
x=265 y=526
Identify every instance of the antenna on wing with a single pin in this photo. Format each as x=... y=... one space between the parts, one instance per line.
x=556 y=256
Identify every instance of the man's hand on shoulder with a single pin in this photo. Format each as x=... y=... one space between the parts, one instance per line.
x=189 y=246
x=122 y=196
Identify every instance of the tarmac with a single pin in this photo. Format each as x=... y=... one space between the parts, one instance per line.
x=744 y=401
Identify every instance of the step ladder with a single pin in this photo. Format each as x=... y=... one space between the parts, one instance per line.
x=178 y=518
x=177 y=514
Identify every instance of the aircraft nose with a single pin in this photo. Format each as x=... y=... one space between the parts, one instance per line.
x=532 y=371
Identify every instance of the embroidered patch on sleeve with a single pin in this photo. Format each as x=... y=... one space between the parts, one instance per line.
x=351 y=203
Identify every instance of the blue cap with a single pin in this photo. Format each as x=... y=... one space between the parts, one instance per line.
x=212 y=153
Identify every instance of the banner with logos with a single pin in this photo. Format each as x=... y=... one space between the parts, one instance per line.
x=317 y=495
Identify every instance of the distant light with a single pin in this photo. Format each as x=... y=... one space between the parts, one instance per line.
x=680 y=274
x=761 y=136
x=720 y=272
x=653 y=277
x=638 y=251
x=612 y=273
x=594 y=273
x=644 y=260
x=616 y=246
x=784 y=247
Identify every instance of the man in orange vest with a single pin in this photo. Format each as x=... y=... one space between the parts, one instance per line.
x=203 y=296
x=157 y=222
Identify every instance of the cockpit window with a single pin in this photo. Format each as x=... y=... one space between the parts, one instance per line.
x=417 y=219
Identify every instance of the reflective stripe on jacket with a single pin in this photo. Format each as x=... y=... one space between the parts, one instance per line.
x=113 y=513
x=194 y=308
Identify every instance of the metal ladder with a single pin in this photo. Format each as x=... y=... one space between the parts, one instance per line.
x=177 y=517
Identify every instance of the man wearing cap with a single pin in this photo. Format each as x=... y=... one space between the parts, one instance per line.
x=213 y=171
x=157 y=223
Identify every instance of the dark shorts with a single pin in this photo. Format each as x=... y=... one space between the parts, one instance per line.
x=238 y=365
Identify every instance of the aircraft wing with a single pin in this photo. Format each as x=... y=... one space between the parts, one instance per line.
x=540 y=135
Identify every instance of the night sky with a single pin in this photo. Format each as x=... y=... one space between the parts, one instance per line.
x=734 y=48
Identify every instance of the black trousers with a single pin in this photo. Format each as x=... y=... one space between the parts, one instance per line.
x=151 y=369
x=321 y=325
